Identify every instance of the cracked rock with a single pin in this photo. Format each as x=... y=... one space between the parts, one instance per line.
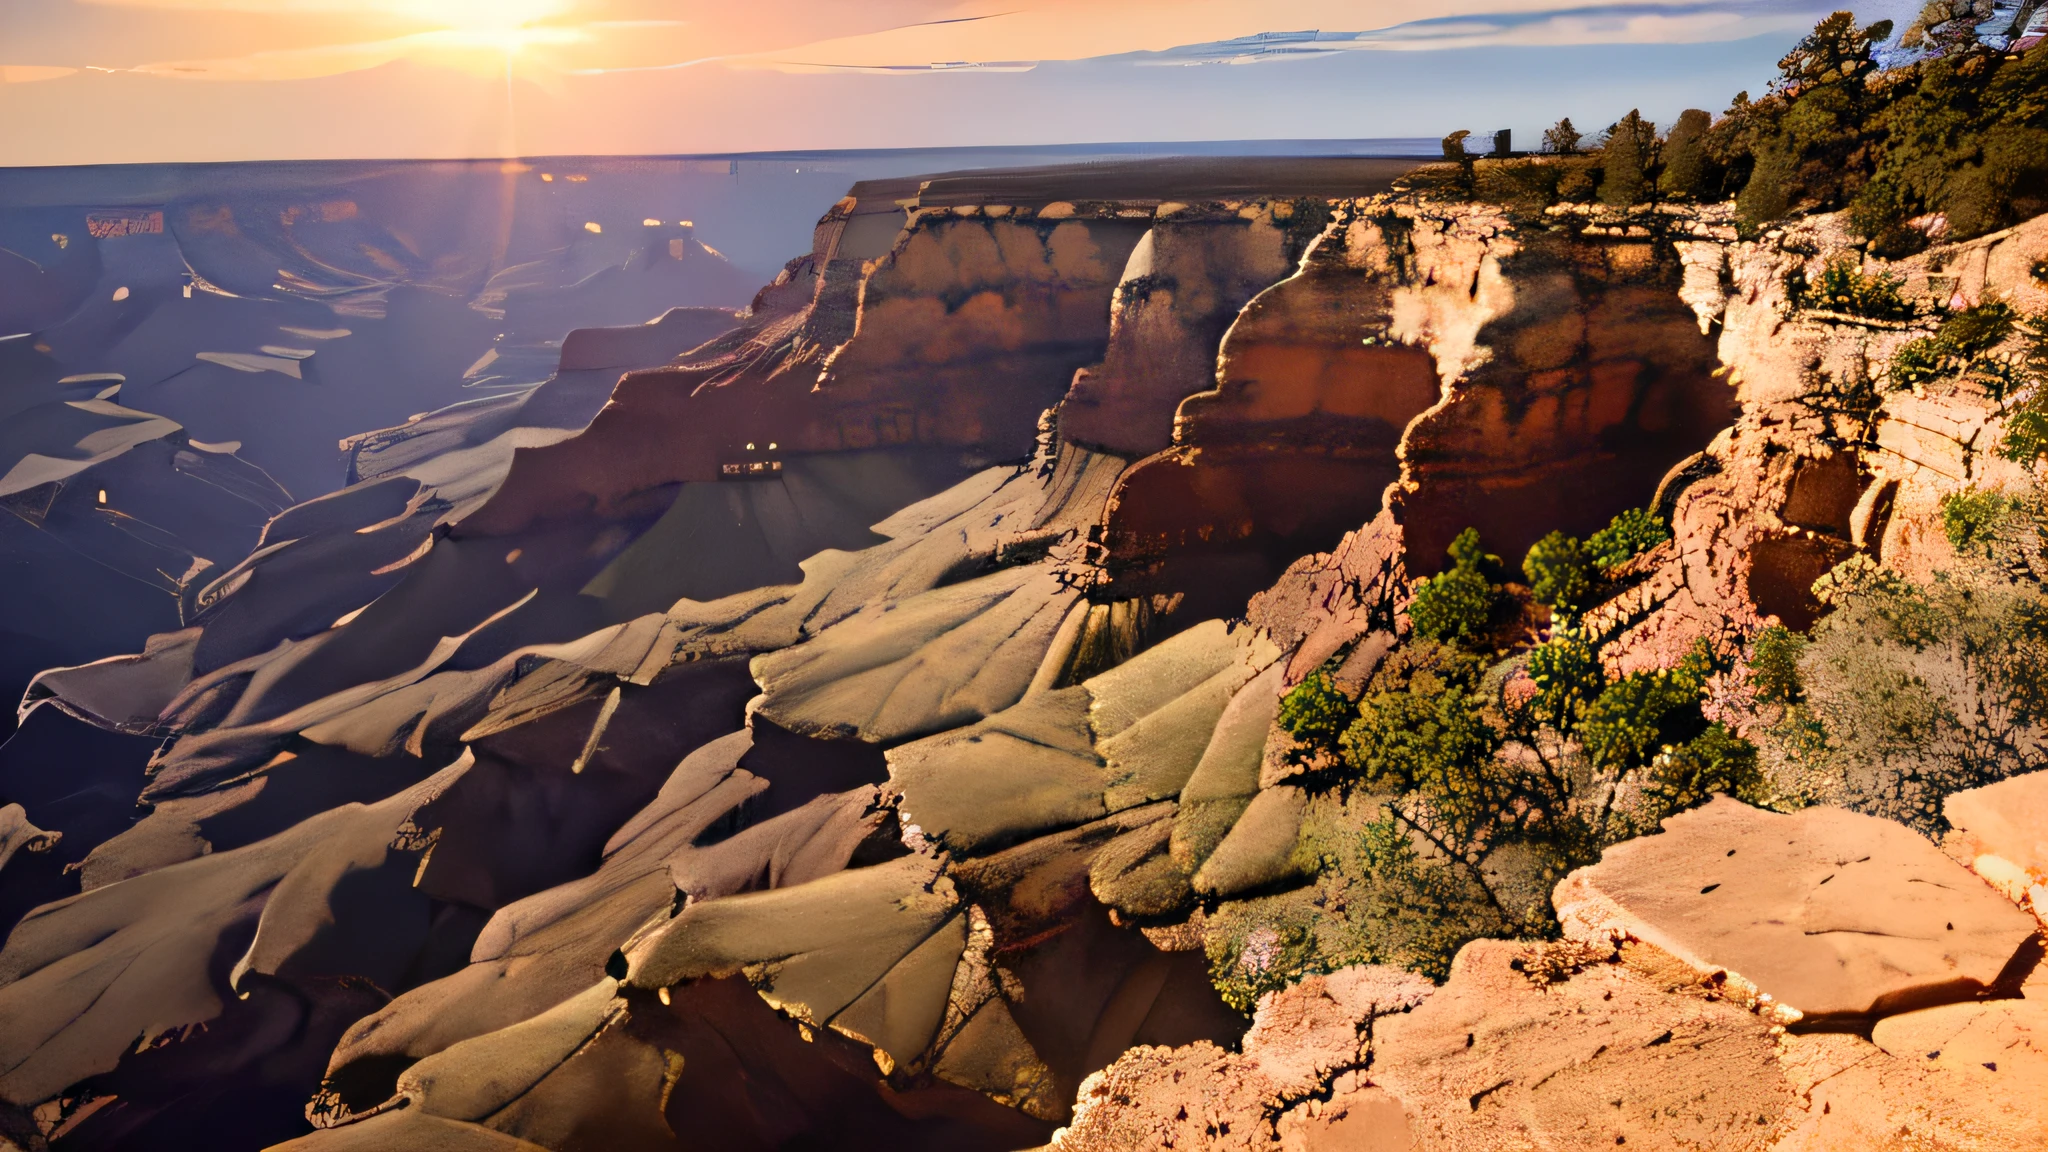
x=1832 y=915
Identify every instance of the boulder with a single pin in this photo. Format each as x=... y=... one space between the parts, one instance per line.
x=1831 y=915
x=2001 y=832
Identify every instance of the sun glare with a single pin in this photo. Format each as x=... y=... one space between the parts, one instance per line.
x=507 y=26
x=482 y=15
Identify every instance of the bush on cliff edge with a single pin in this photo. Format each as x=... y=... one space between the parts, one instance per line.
x=1459 y=787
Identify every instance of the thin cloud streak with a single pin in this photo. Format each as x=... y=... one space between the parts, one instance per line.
x=580 y=37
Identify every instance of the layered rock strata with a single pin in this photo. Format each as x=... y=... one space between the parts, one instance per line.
x=907 y=832
x=1795 y=485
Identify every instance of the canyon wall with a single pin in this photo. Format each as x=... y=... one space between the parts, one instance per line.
x=882 y=784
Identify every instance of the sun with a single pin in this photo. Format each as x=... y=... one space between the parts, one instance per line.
x=507 y=26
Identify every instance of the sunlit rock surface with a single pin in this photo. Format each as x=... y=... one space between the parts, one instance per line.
x=844 y=727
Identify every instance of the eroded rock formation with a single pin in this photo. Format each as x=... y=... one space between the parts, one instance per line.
x=843 y=736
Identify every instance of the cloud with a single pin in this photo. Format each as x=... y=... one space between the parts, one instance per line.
x=30 y=73
x=1189 y=32
x=1614 y=24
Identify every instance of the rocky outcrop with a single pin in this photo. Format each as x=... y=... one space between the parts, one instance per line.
x=1202 y=1096
x=1585 y=376
x=18 y=835
x=1185 y=283
x=2001 y=832
x=1802 y=479
x=1620 y=1035
x=1829 y=916
x=962 y=330
x=853 y=726
x=1307 y=395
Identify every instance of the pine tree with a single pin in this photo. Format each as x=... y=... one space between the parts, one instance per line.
x=1685 y=155
x=1626 y=159
x=1835 y=52
x=1561 y=138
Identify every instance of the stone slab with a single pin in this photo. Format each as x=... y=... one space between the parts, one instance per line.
x=1833 y=915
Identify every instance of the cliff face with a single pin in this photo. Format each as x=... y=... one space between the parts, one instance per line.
x=887 y=790
x=954 y=337
x=1183 y=286
x=1796 y=484
x=1307 y=394
x=1585 y=377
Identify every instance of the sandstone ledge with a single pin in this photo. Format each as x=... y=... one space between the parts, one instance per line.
x=1831 y=916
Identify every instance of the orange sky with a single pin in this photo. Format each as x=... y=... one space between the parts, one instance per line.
x=120 y=80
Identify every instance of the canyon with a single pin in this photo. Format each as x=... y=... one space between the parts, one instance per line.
x=853 y=729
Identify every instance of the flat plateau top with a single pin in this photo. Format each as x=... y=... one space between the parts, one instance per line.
x=1183 y=178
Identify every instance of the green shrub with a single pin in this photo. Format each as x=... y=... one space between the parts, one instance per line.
x=1625 y=160
x=1561 y=138
x=1452 y=605
x=1962 y=348
x=1525 y=184
x=1641 y=712
x=1455 y=603
x=2026 y=426
x=1429 y=736
x=1567 y=675
x=1382 y=895
x=1316 y=712
x=1972 y=519
x=1767 y=195
x=1576 y=180
x=1908 y=692
x=1917 y=364
x=1560 y=574
x=1449 y=815
x=1774 y=665
x=1807 y=143
x=1691 y=773
x=1629 y=534
x=1845 y=289
x=1962 y=135
x=1394 y=899
x=2026 y=433
x=1466 y=551
x=1262 y=945
x=1975 y=331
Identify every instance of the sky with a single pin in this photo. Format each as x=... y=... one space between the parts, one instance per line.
x=125 y=81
